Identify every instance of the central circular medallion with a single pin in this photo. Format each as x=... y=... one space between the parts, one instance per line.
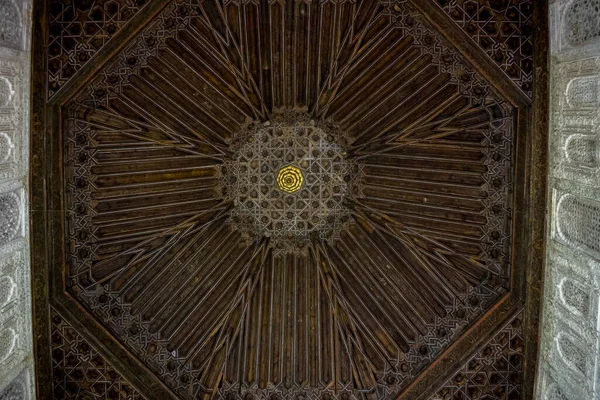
x=288 y=179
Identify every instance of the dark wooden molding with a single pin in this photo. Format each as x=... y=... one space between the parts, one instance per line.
x=38 y=207
x=538 y=194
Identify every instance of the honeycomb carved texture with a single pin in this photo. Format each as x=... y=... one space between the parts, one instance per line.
x=18 y=389
x=11 y=30
x=6 y=92
x=494 y=372
x=7 y=288
x=575 y=297
x=504 y=29
x=77 y=30
x=581 y=22
x=577 y=223
x=209 y=306
x=6 y=147
x=79 y=371
x=10 y=217
x=554 y=393
x=582 y=150
x=8 y=341
x=571 y=352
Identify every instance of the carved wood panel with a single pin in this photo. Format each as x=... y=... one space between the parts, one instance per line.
x=286 y=199
x=503 y=29
x=80 y=371
x=494 y=372
x=78 y=29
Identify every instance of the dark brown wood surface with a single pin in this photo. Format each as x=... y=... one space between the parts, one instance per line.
x=428 y=252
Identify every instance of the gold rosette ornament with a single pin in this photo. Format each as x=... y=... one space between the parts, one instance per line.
x=290 y=179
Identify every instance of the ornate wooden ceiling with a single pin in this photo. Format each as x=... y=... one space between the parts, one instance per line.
x=286 y=199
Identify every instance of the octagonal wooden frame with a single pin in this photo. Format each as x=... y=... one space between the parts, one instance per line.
x=47 y=244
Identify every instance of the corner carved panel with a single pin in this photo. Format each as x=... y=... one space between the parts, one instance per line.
x=501 y=28
x=77 y=29
x=495 y=372
x=80 y=371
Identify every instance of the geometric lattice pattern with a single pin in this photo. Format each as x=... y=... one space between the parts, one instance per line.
x=79 y=371
x=289 y=180
x=495 y=372
x=77 y=30
x=503 y=29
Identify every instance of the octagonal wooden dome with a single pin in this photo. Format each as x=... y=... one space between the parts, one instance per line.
x=289 y=199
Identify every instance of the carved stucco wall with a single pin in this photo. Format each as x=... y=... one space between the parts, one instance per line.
x=570 y=340
x=16 y=371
